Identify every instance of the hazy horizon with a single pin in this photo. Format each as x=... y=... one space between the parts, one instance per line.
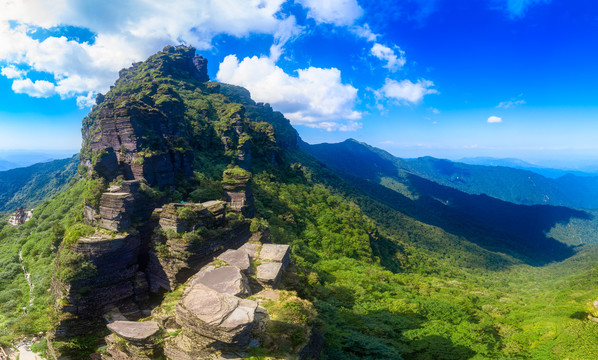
x=500 y=78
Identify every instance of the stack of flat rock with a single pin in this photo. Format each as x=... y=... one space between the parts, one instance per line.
x=273 y=260
x=214 y=316
x=133 y=340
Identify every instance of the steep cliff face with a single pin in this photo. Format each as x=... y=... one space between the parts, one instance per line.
x=165 y=153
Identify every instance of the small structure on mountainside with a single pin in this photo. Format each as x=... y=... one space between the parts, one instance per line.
x=20 y=216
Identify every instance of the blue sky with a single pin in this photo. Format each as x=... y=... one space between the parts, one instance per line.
x=451 y=79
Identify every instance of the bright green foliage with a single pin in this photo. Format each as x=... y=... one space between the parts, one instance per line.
x=289 y=327
x=38 y=239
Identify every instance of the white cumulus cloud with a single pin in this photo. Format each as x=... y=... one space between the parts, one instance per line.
x=86 y=101
x=394 y=60
x=405 y=91
x=38 y=89
x=316 y=97
x=494 y=120
x=337 y=12
x=12 y=72
x=124 y=32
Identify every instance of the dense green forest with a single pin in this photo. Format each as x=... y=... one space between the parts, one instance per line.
x=393 y=271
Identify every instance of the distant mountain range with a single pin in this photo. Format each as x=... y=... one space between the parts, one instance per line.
x=12 y=159
x=523 y=165
x=505 y=183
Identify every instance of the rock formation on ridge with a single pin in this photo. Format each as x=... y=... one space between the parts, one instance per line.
x=160 y=150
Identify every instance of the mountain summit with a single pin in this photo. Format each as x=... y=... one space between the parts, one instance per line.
x=163 y=135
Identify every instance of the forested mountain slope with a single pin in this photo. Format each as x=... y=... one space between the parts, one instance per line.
x=505 y=183
x=29 y=186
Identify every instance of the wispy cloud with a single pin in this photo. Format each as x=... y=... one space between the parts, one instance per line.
x=364 y=32
x=11 y=72
x=38 y=89
x=510 y=104
x=517 y=8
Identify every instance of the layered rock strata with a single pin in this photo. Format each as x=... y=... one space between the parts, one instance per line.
x=213 y=319
x=273 y=260
x=237 y=191
x=176 y=256
x=115 y=281
x=133 y=340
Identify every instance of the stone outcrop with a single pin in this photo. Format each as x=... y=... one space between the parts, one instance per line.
x=225 y=279
x=237 y=258
x=213 y=319
x=216 y=315
x=121 y=135
x=133 y=340
x=251 y=249
x=185 y=217
x=143 y=146
x=116 y=281
x=174 y=260
x=269 y=274
x=237 y=191
x=119 y=207
x=275 y=253
x=135 y=332
x=274 y=259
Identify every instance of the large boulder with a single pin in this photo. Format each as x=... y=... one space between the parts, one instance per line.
x=216 y=315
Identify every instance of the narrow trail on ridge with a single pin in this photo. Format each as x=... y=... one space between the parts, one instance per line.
x=28 y=278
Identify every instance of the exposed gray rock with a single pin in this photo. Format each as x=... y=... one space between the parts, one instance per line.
x=115 y=211
x=269 y=274
x=134 y=331
x=225 y=279
x=114 y=315
x=209 y=214
x=237 y=258
x=277 y=253
x=184 y=259
x=219 y=316
x=251 y=249
x=313 y=348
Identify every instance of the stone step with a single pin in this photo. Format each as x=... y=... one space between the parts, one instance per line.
x=238 y=258
x=269 y=274
x=251 y=249
x=276 y=253
x=133 y=331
